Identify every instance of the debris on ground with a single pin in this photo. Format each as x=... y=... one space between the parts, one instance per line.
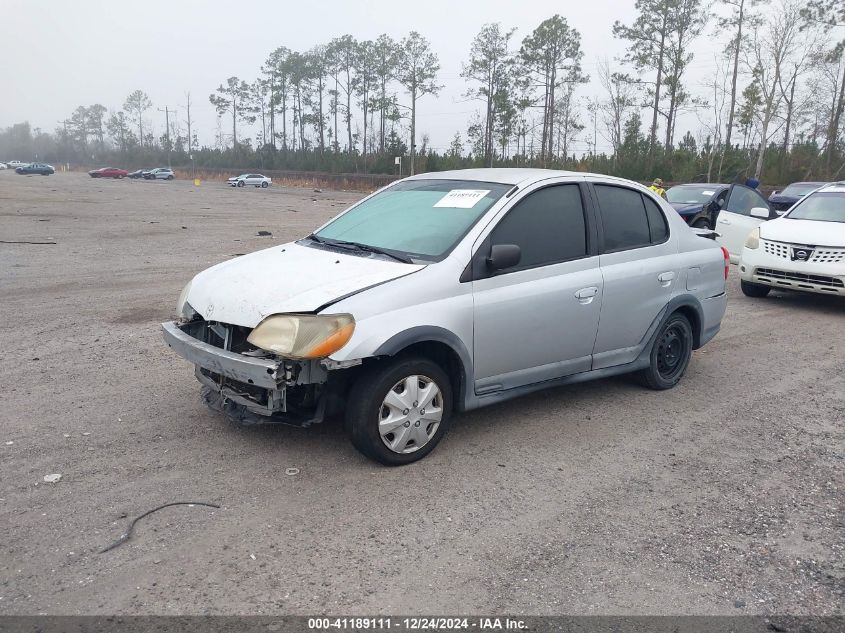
x=52 y=479
x=264 y=234
x=128 y=533
x=291 y=471
x=318 y=191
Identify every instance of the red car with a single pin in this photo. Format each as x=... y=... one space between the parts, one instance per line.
x=108 y=172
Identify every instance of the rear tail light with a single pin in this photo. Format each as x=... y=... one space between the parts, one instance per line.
x=727 y=257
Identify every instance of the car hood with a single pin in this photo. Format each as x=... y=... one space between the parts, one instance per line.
x=285 y=278
x=809 y=232
x=685 y=208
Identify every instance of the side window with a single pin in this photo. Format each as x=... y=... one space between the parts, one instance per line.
x=548 y=226
x=742 y=199
x=657 y=228
x=623 y=218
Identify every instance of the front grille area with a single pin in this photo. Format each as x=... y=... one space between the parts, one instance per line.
x=821 y=255
x=800 y=280
x=228 y=337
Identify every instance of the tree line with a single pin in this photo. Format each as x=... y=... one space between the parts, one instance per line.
x=771 y=107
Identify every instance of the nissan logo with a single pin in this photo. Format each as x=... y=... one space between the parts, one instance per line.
x=801 y=254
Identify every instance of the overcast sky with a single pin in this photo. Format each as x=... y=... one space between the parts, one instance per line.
x=59 y=54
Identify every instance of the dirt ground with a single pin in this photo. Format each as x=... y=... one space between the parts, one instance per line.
x=722 y=496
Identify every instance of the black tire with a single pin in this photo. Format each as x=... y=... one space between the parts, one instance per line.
x=701 y=224
x=170 y=177
x=240 y=183
x=366 y=398
x=750 y=289
x=263 y=185
x=670 y=354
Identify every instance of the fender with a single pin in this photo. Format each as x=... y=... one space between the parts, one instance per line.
x=431 y=333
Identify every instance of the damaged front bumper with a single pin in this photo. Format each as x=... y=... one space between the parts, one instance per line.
x=278 y=389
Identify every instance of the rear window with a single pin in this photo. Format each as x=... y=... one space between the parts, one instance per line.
x=822 y=206
x=623 y=218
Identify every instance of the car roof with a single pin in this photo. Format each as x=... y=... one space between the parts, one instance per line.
x=835 y=187
x=809 y=182
x=701 y=185
x=506 y=175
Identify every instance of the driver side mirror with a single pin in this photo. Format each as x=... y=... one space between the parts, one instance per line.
x=760 y=212
x=503 y=256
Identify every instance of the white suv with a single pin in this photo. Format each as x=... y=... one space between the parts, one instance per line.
x=160 y=173
x=256 y=180
x=801 y=250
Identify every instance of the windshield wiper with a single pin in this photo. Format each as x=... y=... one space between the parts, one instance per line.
x=357 y=246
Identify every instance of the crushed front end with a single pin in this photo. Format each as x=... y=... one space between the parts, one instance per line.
x=255 y=385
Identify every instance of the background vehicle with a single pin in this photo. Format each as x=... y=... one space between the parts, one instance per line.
x=801 y=250
x=698 y=204
x=782 y=201
x=138 y=173
x=257 y=180
x=108 y=172
x=159 y=173
x=451 y=291
x=3 y=166
x=36 y=168
x=14 y=164
x=745 y=209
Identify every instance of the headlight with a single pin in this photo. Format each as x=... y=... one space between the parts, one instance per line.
x=303 y=335
x=183 y=308
x=753 y=239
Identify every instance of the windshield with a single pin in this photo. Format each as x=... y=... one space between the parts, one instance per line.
x=423 y=218
x=823 y=207
x=799 y=189
x=683 y=194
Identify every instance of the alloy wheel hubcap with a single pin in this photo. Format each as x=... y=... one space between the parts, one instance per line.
x=410 y=414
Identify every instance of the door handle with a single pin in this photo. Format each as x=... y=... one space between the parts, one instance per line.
x=666 y=278
x=586 y=295
x=724 y=221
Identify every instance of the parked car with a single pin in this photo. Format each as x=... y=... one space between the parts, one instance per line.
x=3 y=166
x=108 y=172
x=802 y=250
x=744 y=210
x=258 y=180
x=36 y=168
x=698 y=204
x=159 y=173
x=449 y=291
x=138 y=173
x=783 y=200
x=14 y=164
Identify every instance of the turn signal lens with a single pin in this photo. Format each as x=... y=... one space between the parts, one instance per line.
x=753 y=239
x=303 y=335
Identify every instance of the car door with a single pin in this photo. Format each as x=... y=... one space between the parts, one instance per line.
x=253 y=179
x=639 y=266
x=735 y=220
x=538 y=319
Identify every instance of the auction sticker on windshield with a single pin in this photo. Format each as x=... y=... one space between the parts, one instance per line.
x=462 y=198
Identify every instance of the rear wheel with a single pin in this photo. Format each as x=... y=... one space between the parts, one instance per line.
x=670 y=354
x=263 y=185
x=170 y=177
x=398 y=412
x=750 y=289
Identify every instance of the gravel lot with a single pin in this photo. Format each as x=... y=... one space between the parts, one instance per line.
x=722 y=496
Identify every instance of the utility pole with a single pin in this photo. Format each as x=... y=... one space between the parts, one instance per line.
x=167 y=130
x=190 y=138
x=64 y=143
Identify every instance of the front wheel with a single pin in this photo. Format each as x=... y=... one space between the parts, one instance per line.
x=670 y=354
x=240 y=183
x=750 y=289
x=398 y=412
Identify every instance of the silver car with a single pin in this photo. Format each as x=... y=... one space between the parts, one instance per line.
x=449 y=291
